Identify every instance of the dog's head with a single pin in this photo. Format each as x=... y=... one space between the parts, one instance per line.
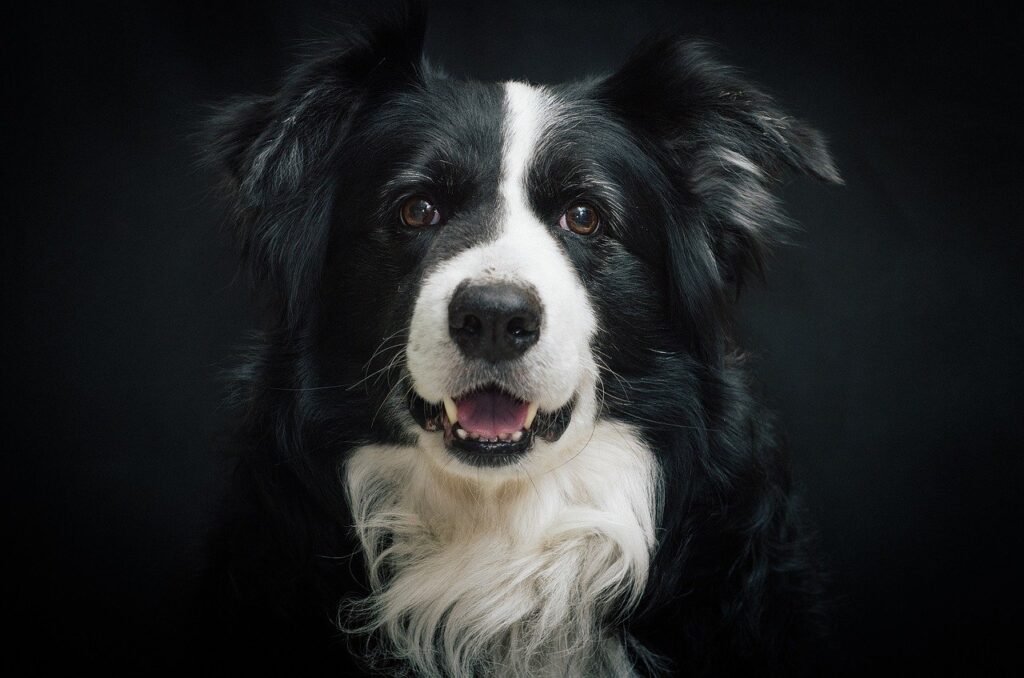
x=489 y=268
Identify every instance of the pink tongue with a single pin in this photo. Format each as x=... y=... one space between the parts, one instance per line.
x=491 y=413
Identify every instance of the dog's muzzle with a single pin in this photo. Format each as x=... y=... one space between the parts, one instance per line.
x=493 y=324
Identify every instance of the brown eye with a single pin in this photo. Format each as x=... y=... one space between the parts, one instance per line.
x=418 y=212
x=580 y=218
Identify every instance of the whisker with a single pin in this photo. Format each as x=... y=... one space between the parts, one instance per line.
x=397 y=360
x=385 y=340
x=369 y=376
x=383 y=346
x=385 y=400
x=593 y=432
x=522 y=466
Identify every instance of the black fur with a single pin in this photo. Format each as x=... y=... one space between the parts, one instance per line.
x=314 y=174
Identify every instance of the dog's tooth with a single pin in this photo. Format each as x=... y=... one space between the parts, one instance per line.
x=462 y=433
x=517 y=436
x=531 y=412
x=451 y=409
x=503 y=436
x=474 y=436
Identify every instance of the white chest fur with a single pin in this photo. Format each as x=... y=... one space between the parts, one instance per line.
x=514 y=575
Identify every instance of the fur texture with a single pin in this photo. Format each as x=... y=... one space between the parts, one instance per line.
x=645 y=524
x=515 y=577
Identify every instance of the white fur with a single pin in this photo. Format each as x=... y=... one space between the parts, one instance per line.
x=510 y=576
x=739 y=161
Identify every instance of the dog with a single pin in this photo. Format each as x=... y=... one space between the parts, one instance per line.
x=496 y=424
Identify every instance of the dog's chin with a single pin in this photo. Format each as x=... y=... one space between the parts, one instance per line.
x=490 y=445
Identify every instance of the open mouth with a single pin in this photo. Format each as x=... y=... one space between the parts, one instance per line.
x=489 y=426
x=488 y=421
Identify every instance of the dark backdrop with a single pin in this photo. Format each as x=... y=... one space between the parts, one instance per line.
x=888 y=339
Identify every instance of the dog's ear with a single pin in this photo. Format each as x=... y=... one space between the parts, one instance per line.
x=274 y=152
x=725 y=144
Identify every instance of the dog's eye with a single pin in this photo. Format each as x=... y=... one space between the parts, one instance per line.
x=418 y=212
x=580 y=218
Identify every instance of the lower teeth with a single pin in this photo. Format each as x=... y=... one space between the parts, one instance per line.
x=463 y=434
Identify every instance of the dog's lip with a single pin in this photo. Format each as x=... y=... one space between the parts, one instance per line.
x=483 y=450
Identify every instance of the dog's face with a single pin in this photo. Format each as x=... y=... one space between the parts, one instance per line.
x=493 y=221
x=494 y=267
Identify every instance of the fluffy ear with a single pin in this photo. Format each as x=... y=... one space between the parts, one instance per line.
x=726 y=144
x=274 y=152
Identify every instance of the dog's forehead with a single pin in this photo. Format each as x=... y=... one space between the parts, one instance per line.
x=467 y=123
x=537 y=132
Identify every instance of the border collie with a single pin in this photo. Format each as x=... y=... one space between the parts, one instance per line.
x=496 y=425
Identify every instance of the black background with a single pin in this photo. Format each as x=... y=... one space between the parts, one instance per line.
x=888 y=339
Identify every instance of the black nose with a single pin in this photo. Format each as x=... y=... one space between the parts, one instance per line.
x=494 y=321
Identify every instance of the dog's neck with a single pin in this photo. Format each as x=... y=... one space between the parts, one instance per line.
x=521 y=575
